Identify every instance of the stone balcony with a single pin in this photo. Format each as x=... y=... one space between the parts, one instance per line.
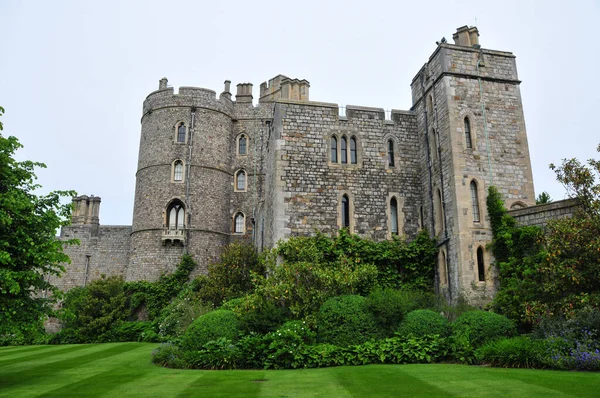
x=173 y=236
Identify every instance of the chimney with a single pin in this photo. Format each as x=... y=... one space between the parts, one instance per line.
x=227 y=89
x=162 y=83
x=244 y=93
x=466 y=37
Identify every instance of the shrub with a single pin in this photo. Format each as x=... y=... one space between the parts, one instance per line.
x=175 y=318
x=389 y=306
x=424 y=322
x=483 y=326
x=155 y=296
x=169 y=355
x=516 y=352
x=93 y=310
x=345 y=320
x=130 y=331
x=256 y=314
x=209 y=327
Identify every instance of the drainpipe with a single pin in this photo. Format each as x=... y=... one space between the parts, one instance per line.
x=188 y=207
x=487 y=142
x=87 y=265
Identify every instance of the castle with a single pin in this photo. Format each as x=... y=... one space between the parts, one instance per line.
x=213 y=170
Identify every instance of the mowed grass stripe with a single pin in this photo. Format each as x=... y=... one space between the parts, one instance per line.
x=473 y=381
x=52 y=370
x=46 y=353
x=5 y=351
x=217 y=384
x=303 y=383
x=571 y=384
x=387 y=381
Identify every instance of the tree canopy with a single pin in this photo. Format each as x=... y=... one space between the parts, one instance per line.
x=29 y=248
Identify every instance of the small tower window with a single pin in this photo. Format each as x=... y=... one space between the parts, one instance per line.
x=468 y=133
x=480 y=264
x=344 y=148
x=240 y=181
x=390 y=153
x=178 y=171
x=353 y=158
x=175 y=215
x=333 y=156
x=239 y=223
x=394 y=216
x=475 y=201
x=242 y=145
x=181 y=131
x=345 y=211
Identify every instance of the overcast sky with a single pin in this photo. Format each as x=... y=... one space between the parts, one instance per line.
x=74 y=74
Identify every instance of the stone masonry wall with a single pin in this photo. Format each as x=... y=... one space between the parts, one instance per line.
x=108 y=254
x=310 y=187
x=540 y=215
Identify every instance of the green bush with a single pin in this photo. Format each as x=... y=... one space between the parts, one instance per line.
x=130 y=331
x=170 y=356
x=516 y=352
x=424 y=322
x=175 y=318
x=389 y=306
x=209 y=327
x=93 y=310
x=256 y=314
x=345 y=320
x=483 y=326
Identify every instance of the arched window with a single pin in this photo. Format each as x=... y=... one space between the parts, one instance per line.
x=176 y=215
x=181 y=132
x=439 y=213
x=343 y=149
x=353 y=158
x=240 y=181
x=242 y=145
x=345 y=211
x=394 y=216
x=475 y=201
x=443 y=268
x=480 y=264
x=468 y=133
x=178 y=171
x=333 y=156
x=433 y=143
x=390 y=153
x=239 y=223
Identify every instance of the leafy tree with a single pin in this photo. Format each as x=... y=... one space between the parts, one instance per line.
x=29 y=248
x=543 y=198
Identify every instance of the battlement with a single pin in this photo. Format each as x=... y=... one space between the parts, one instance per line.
x=282 y=87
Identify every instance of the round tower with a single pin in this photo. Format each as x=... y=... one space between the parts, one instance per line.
x=183 y=180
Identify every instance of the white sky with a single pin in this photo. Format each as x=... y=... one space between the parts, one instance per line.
x=74 y=74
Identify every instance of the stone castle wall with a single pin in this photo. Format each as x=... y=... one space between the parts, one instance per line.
x=540 y=215
x=103 y=251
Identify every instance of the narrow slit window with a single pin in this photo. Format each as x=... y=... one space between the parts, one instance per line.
x=343 y=149
x=345 y=212
x=242 y=145
x=334 y=150
x=181 y=133
x=468 y=140
x=394 y=216
x=178 y=171
x=238 y=227
x=241 y=180
x=391 y=153
x=353 y=158
x=480 y=265
x=475 y=202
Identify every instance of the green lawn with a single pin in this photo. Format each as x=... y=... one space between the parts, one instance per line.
x=124 y=369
